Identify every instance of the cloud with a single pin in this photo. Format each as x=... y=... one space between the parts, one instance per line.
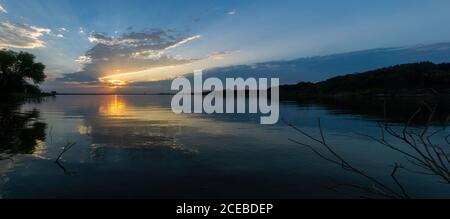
x=84 y=59
x=129 y=52
x=3 y=10
x=219 y=55
x=232 y=12
x=21 y=36
x=101 y=39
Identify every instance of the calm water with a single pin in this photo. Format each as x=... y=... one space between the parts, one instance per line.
x=135 y=147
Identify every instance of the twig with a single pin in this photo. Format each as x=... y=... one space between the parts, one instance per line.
x=386 y=190
x=394 y=171
x=65 y=149
x=430 y=157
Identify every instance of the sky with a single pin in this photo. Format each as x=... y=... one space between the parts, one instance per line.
x=105 y=45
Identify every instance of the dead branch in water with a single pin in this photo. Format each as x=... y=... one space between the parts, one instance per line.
x=379 y=188
x=416 y=145
x=64 y=150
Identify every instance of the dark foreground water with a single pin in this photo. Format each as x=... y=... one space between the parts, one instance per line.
x=135 y=147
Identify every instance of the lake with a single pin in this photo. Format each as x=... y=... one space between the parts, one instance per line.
x=134 y=146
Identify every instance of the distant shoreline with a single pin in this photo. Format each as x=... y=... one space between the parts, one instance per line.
x=421 y=79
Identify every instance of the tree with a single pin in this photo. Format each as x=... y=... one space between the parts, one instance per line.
x=20 y=74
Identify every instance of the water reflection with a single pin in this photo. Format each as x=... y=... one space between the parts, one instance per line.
x=396 y=110
x=21 y=132
x=135 y=146
x=123 y=126
x=114 y=106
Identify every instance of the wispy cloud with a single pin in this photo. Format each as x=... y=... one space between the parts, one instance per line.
x=84 y=59
x=219 y=55
x=3 y=10
x=232 y=12
x=21 y=36
x=129 y=52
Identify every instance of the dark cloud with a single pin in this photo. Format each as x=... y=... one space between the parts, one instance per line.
x=133 y=51
x=78 y=77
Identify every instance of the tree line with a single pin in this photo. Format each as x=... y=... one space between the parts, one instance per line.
x=408 y=78
x=20 y=75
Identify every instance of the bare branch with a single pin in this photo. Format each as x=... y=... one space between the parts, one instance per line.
x=394 y=171
x=385 y=190
x=419 y=150
x=58 y=159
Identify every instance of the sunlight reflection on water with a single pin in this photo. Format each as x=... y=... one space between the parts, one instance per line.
x=135 y=146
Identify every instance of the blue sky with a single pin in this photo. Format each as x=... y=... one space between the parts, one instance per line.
x=201 y=34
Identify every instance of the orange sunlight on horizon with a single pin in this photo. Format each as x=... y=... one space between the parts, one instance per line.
x=123 y=79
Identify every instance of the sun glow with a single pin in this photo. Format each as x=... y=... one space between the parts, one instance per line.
x=152 y=74
x=114 y=83
x=115 y=80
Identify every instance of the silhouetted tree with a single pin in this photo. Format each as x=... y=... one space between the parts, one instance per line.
x=20 y=74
